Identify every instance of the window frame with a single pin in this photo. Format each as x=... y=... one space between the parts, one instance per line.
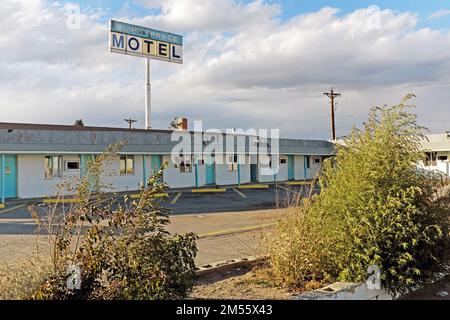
x=66 y=165
x=126 y=172
x=233 y=162
x=52 y=174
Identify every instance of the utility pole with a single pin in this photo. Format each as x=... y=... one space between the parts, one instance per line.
x=332 y=95
x=130 y=122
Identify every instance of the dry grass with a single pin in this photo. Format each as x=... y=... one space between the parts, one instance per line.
x=20 y=280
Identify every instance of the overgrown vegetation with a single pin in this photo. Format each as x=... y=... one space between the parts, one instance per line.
x=122 y=250
x=375 y=208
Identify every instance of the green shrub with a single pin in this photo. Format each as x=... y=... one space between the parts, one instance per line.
x=375 y=208
x=123 y=250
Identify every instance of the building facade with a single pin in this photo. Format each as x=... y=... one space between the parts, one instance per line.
x=437 y=151
x=36 y=158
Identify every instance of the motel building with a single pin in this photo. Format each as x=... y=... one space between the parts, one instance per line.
x=36 y=158
x=437 y=151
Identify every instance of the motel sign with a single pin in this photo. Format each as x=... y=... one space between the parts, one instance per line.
x=139 y=41
x=125 y=38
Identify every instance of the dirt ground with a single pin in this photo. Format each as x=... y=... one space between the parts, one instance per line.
x=245 y=282
x=429 y=292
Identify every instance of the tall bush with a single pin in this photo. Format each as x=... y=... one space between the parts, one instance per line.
x=375 y=208
x=122 y=250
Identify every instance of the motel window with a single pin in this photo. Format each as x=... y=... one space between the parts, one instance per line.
x=126 y=165
x=317 y=160
x=442 y=158
x=72 y=165
x=233 y=162
x=53 y=167
x=283 y=160
x=184 y=163
x=431 y=159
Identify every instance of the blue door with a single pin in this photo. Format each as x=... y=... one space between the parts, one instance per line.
x=210 y=170
x=253 y=172
x=10 y=176
x=156 y=162
x=291 y=165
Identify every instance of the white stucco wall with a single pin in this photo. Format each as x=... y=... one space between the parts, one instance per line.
x=31 y=181
x=176 y=179
x=129 y=182
x=262 y=164
x=315 y=167
x=442 y=166
x=282 y=174
x=245 y=172
x=311 y=172
x=299 y=169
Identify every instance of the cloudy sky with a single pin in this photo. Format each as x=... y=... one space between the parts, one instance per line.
x=247 y=64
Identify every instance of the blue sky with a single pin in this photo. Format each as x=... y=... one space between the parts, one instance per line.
x=291 y=8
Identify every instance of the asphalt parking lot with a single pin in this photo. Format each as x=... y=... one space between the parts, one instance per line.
x=233 y=199
x=229 y=223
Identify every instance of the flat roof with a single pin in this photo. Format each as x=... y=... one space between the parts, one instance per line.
x=66 y=127
x=51 y=138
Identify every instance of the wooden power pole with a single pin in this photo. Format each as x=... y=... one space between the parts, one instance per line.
x=130 y=122
x=332 y=95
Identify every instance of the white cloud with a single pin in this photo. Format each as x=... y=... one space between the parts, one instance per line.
x=439 y=14
x=207 y=15
x=243 y=67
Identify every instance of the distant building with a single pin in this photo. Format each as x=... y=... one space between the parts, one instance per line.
x=437 y=151
x=35 y=158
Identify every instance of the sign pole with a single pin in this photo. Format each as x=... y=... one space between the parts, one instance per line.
x=139 y=41
x=148 y=98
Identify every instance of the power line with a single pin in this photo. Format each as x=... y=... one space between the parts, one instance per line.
x=332 y=95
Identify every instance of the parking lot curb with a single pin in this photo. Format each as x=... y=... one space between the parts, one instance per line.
x=299 y=183
x=68 y=200
x=215 y=190
x=156 y=195
x=254 y=186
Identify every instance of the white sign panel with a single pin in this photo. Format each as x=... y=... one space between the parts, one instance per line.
x=139 y=41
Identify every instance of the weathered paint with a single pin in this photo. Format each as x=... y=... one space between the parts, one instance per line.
x=2 y=174
x=291 y=167
x=210 y=172
x=144 y=171
x=8 y=172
